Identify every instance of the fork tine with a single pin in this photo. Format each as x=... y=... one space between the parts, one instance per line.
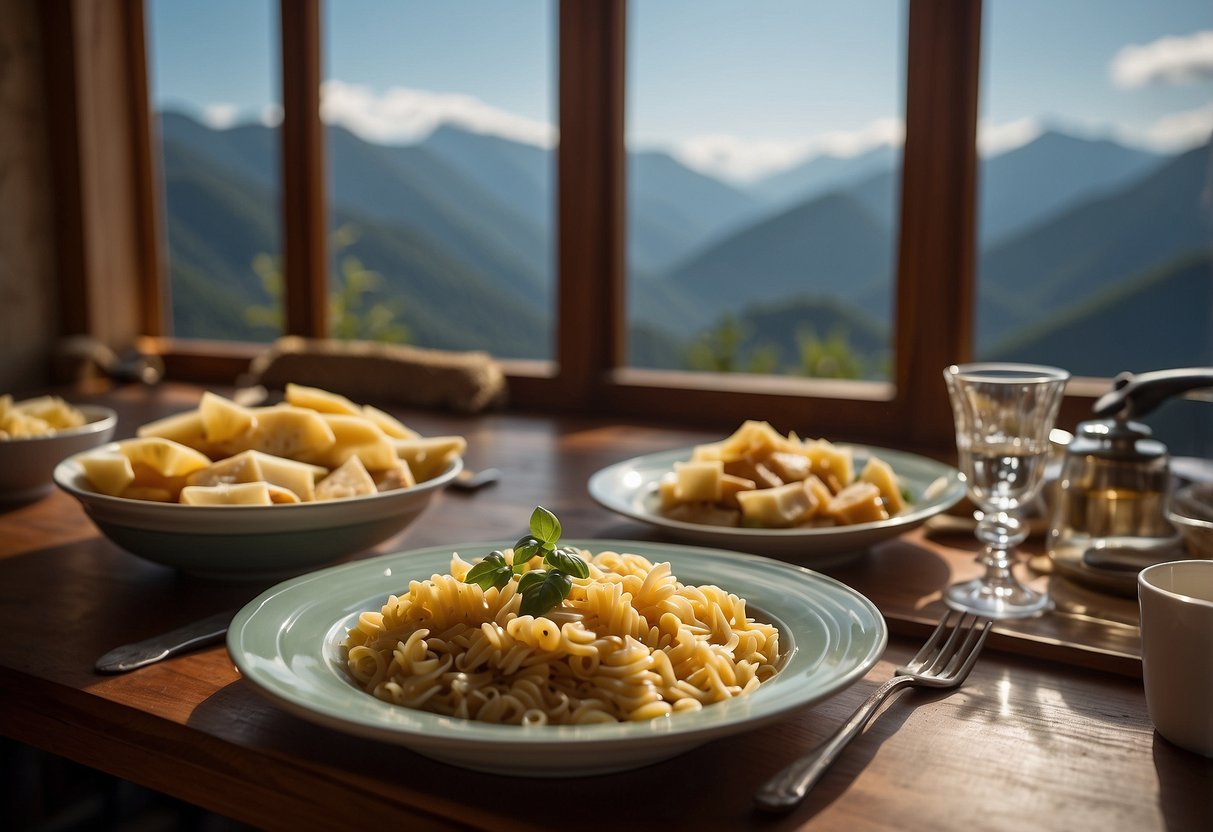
x=950 y=648
x=928 y=649
x=972 y=647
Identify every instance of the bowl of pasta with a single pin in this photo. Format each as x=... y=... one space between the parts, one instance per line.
x=655 y=649
x=229 y=491
x=37 y=433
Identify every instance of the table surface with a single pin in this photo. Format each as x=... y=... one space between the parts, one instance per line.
x=1050 y=731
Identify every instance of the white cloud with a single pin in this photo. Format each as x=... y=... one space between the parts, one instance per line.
x=401 y=115
x=1174 y=132
x=747 y=160
x=271 y=115
x=1168 y=60
x=219 y=116
x=993 y=139
x=739 y=159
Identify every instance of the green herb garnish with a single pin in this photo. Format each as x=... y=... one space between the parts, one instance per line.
x=492 y=571
x=541 y=589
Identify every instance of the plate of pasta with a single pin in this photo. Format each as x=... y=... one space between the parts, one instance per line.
x=820 y=503
x=659 y=648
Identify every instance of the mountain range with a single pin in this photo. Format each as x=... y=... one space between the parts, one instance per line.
x=459 y=226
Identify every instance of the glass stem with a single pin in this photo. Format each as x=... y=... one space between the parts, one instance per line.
x=1001 y=531
x=997 y=562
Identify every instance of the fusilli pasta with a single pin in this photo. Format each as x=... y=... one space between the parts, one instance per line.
x=629 y=643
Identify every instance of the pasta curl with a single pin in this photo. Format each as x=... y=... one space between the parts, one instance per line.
x=630 y=642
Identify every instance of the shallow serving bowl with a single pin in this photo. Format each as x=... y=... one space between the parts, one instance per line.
x=288 y=643
x=27 y=465
x=250 y=541
x=629 y=488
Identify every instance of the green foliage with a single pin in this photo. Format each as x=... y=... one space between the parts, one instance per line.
x=831 y=358
x=268 y=269
x=352 y=313
x=720 y=351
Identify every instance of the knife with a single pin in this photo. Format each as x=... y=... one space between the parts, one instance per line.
x=202 y=633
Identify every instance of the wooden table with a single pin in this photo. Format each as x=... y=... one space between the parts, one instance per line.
x=1050 y=731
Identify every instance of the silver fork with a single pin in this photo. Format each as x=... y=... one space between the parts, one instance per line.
x=943 y=662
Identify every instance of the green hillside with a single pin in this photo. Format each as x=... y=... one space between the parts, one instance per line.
x=1161 y=319
x=411 y=186
x=830 y=246
x=415 y=188
x=449 y=227
x=1098 y=244
x=219 y=223
x=516 y=175
x=769 y=339
x=216 y=225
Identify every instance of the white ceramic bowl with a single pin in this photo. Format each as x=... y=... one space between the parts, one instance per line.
x=250 y=541
x=27 y=465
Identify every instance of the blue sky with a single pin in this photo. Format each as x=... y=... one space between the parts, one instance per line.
x=735 y=88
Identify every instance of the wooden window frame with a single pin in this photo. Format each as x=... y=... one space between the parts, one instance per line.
x=935 y=245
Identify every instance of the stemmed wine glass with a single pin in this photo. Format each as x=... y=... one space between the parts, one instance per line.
x=1003 y=415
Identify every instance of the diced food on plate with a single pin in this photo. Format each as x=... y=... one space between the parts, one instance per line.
x=760 y=478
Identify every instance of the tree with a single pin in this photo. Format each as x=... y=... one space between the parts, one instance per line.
x=351 y=317
x=719 y=351
x=831 y=358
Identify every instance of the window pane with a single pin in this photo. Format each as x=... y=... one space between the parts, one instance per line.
x=213 y=83
x=1094 y=223
x=764 y=148
x=440 y=133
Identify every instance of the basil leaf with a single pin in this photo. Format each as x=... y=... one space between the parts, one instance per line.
x=545 y=526
x=492 y=570
x=546 y=593
x=530 y=579
x=525 y=549
x=568 y=562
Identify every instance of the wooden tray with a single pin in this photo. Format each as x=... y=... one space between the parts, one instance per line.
x=905 y=578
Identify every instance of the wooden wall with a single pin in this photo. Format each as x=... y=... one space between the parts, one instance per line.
x=29 y=302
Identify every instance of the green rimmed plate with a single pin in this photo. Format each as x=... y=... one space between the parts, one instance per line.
x=287 y=643
x=629 y=488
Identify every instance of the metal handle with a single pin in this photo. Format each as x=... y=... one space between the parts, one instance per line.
x=788 y=787
x=192 y=636
x=1133 y=396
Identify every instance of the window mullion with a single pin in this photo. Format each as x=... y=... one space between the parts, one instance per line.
x=935 y=288
x=590 y=201
x=304 y=212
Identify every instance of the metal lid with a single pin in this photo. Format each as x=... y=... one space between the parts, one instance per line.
x=1117 y=439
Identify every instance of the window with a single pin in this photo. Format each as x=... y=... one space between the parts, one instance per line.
x=930 y=323
x=440 y=139
x=764 y=148
x=1094 y=222
x=218 y=141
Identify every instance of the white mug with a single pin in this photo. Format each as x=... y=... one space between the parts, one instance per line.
x=1176 y=601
